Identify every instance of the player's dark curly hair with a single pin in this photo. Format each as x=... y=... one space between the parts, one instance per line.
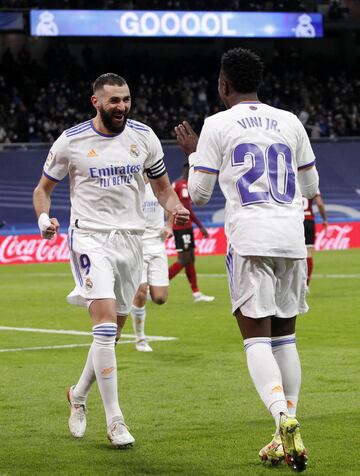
x=243 y=69
x=111 y=79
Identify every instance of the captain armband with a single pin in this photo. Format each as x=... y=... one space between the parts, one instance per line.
x=157 y=170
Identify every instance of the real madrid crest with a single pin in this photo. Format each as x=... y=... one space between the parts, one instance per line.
x=134 y=151
x=88 y=283
x=49 y=158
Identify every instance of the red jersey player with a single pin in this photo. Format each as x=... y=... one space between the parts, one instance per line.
x=184 y=239
x=309 y=227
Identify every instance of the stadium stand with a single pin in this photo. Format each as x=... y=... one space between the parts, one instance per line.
x=327 y=104
x=212 y=5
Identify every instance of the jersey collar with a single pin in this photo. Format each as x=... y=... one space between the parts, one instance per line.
x=248 y=102
x=102 y=133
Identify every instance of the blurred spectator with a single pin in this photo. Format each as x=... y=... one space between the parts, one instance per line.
x=38 y=102
x=212 y=5
x=337 y=10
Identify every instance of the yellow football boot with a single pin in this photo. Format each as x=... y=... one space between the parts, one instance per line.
x=273 y=452
x=293 y=446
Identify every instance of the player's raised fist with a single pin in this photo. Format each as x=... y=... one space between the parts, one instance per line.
x=181 y=214
x=48 y=226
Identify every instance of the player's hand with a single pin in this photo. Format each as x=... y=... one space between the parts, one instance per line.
x=204 y=232
x=325 y=225
x=186 y=137
x=181 y=214
x=48 y=226
x=51 y=230
x=166 y=232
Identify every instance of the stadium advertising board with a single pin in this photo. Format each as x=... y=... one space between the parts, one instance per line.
x=17 y=249
x=141 y=23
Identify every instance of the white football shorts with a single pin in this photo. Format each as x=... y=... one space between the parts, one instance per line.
x=106 y=265
x=262 y=286
x=155 y=268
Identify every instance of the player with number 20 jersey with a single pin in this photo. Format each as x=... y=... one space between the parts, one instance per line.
x=262 y=149
x=265 y=164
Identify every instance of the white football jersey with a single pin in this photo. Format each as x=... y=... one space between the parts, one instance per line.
x=154 y=215
x=257 y=151
x=105 y=173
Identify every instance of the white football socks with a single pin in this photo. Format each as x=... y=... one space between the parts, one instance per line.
x=138 y=316
x=87 y=378
x=287 y=357
x=105 y=368
x=266 y=375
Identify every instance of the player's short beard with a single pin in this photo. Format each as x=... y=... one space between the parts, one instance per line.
x=107 y=120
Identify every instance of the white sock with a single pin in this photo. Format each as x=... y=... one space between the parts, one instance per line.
x=86 y=379
x=287 y=357
x=138 y=316
x=266 y=375
x=104 y=360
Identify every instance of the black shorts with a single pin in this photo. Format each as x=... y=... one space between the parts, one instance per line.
x=184 y=239
x=309 y=227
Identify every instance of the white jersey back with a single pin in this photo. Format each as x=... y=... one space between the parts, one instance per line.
x=154 y=215
x=257 y=151
x=106 y=174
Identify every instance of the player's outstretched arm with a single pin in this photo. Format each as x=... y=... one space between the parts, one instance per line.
x=320 y=204
x=309 y=181
x=195 y=219
x=201 y=184
x=168 y=199
x=42 y=202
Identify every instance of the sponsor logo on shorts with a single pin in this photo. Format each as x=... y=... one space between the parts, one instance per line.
x=277 y=389
x=88 y=283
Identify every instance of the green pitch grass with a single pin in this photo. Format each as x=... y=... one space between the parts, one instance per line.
x=190 y=404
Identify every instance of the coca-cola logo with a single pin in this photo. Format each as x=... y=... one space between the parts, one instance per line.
x=335 y=237
x=206 y=246
x=33 y=249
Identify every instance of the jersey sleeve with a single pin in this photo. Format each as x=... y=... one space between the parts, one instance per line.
x=155 y=151
x=208 y=156
x=305 y=156
x=56 y=166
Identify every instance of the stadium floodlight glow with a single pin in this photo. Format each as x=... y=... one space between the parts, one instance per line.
x=149 y=23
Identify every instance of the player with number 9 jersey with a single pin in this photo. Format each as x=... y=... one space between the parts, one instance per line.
x=105 y=158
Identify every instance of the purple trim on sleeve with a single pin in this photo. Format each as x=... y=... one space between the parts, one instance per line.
x=306 y=166
x=207 y=170
x=50 y=177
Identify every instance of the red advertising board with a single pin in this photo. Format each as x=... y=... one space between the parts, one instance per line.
x=16 y=249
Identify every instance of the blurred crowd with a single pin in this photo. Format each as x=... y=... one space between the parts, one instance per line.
x=336 y=8
x=246 y=5
x=37 y=103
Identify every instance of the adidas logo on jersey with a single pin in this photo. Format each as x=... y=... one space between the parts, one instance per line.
x=91 y=153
